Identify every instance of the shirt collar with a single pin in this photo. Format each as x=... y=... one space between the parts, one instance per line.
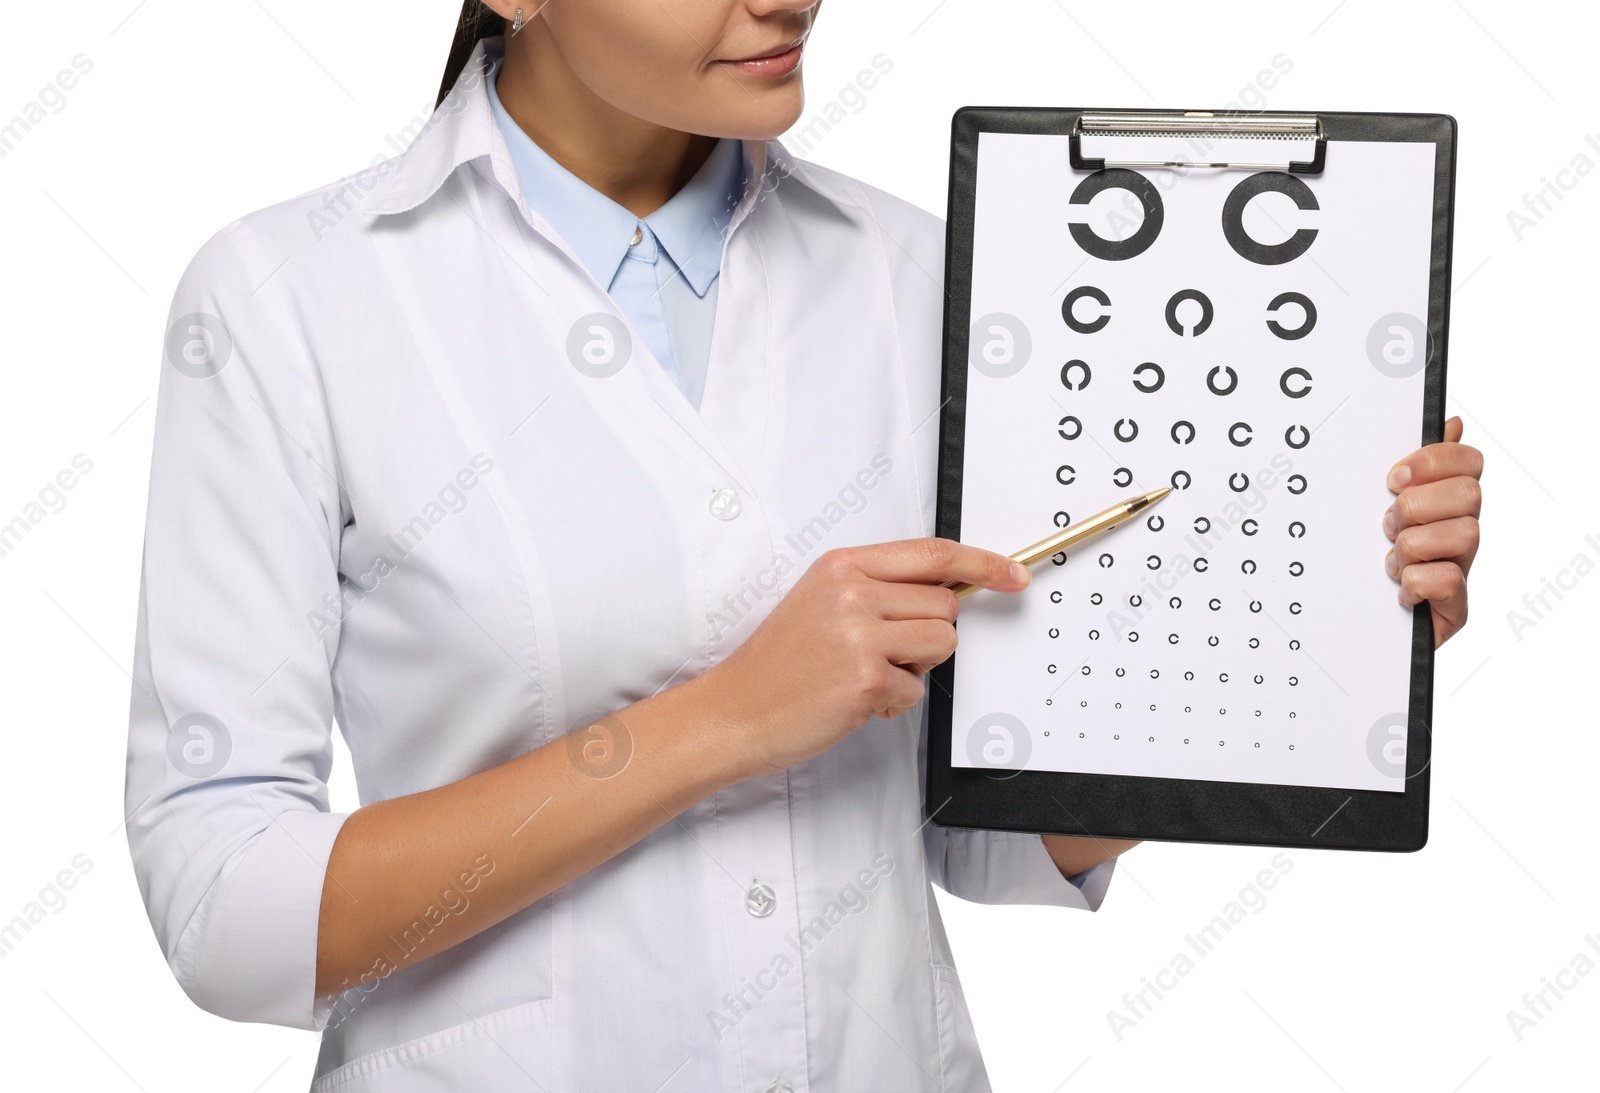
x=690 y=226
x=462 y=129
x=694 y=222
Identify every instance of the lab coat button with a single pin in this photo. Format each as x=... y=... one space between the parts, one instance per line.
x=760 y=899
x=725 y=504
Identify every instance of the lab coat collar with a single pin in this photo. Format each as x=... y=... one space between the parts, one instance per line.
x=462 y=129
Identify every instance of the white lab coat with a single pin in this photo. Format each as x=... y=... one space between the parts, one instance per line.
x=398 y=480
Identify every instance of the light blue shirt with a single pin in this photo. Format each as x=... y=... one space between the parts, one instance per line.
x=666 y=282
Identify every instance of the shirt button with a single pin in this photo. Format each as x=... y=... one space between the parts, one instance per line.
x=638 y=236
x=725 y=504
x=759 y=900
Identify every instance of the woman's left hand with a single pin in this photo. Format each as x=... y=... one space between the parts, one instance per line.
x=1434 y=525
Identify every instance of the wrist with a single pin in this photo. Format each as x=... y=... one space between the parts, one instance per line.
x=1073 y=854
x=711 y=716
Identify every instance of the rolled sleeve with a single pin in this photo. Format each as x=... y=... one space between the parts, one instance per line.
x=229 y=739
x=1007 y=867
x=1004 y=866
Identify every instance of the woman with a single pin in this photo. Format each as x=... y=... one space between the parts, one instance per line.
x=605 y=598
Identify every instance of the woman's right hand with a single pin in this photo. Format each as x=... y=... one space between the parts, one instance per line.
x=852 y=638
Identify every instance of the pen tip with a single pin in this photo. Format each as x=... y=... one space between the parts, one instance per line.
x=1158 y=494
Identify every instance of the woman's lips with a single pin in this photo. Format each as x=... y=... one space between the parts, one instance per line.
x=771 y=65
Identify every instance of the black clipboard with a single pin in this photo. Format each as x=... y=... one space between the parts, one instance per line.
x=1174 y=809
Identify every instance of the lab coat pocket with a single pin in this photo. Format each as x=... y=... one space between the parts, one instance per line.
x=478 y=1053
x=500 y=977
x=960 y=1062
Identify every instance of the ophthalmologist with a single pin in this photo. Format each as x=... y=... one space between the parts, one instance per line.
x=580 y=462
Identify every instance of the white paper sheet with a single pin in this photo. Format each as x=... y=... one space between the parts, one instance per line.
x=1247 y=631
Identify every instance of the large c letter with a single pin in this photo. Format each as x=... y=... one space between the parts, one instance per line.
x=1233 y=218
x=1116 y=250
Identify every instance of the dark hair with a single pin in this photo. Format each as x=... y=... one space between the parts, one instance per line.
x=478 y=21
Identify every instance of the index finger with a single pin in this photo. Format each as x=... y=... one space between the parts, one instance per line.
x=940 y=561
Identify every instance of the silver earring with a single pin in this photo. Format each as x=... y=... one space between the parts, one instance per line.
x=516 y=24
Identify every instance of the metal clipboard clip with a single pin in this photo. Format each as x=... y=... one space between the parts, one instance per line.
x=1200 y=124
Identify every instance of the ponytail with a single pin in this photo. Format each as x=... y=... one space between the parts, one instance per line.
x=478 y=21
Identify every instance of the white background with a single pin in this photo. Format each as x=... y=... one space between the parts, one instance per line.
x=1360 y=973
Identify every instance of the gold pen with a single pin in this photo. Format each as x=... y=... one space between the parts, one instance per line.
x=1083 y=529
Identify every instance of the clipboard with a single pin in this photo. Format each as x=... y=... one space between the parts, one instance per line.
x=1290 y=153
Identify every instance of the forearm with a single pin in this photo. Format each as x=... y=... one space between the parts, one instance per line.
x=1075 y=853
x=487 y=846
x=835 y=649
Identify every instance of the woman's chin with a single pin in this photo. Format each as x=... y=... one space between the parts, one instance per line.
x=766 y=115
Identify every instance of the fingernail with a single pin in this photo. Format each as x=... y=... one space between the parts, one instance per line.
x=1019 y=573
x=1388 y=522
x=1399 y=476
x=1390 y=565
